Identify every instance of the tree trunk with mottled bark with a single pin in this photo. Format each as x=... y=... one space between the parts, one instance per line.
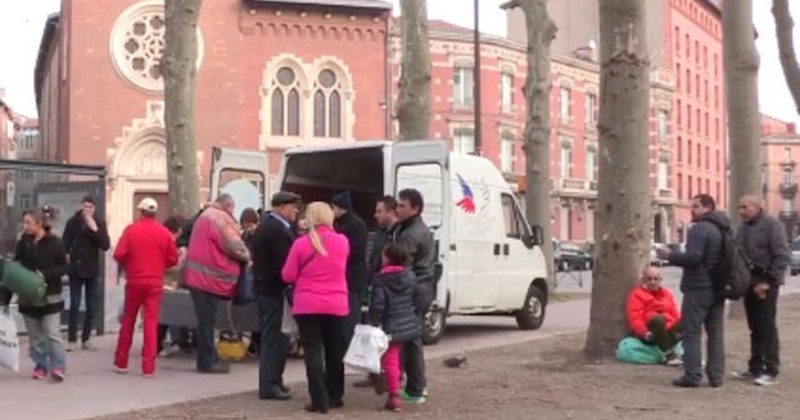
x=741 y=62
x=784 y=26
x=622 y=227
x=178 y=67
x=541 y=32
x=414 y=99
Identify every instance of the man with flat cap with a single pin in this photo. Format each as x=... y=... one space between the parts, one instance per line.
x=271 y=243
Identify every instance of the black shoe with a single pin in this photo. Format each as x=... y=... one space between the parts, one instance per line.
x=312 y=408
x=285 y=389
x=684 y=382
x=336 y=404
x=276 y=393
x=219 y=368
x=715 y=383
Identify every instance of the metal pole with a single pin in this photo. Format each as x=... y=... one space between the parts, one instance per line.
x=477 y=83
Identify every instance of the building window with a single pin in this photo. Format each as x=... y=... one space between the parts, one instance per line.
x=507 y=91
x=463 y=86
x=25 y=176
x=716 y=64
x=678 y=76
x=697 y=121
x=716 y=96
x=286 y=103
x=716 y=128
x=688 y=82
x=787 y=177
x=591 y=164
x=566 y=105
x=464 y=141
x=677 y=40
x=689 y=186
x=707 y=130
x=688 y=46
x=705 y=89
x=689 y=153
x=663 y=173
x=327 y=105
x=680 y=186
x=717 y=160
x=699 y=186
x=708 y=160
x=697 y=52
x=697 y=85
x=566 y=160
x=679 y=108
x=699 y=155
x=591 y=109
x=663 y=125
x=680 y=149
x=507 y=146
x=25 y=201
x=689 y=117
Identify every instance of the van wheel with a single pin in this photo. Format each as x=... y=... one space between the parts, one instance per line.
x=433 y=328
x=531 y=316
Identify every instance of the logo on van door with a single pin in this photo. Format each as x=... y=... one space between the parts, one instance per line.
x=467 y=202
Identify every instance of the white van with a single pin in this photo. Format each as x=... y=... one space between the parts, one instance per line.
x=489 y=259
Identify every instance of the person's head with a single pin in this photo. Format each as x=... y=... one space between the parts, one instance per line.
x=409 y=204
x=36 y=222
x=148 y=207
x=286 y=205
x=386 y=211
x=342 y=202
x=175 y=224
x=226 y=203
x=749 y=207
x=88 y=206
x=394 y=254
x=702 y=204
x=651 y=278
x=249 y=220
x=318 y=214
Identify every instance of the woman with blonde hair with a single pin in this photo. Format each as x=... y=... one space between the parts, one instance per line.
x=316 y=268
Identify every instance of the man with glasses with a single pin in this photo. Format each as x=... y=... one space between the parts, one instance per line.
x=653 y=316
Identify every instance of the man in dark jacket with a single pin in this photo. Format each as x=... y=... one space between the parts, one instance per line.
x=353 y=227
x=701 y=306
x=417 y=239
x=764 y=239
x=386 y=217
x=85 y=237
x=271 y=243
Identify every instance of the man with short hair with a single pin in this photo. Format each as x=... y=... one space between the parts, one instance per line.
x=349 y=224
x=653 y=315
x=415 y=236
x=145 y=251
x=764 y=239
x=271 y=243
x=85 y=238
x=214 y=260
x=701 y=306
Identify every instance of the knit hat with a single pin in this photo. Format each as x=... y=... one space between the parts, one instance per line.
x=343 y=200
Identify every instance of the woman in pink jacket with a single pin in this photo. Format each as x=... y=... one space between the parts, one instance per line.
x=316 y=268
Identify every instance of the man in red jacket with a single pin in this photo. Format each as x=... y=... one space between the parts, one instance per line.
x=653 y=315
x=145 y=251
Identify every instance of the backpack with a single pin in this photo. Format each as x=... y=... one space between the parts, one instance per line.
x=634 y=351
x=730 y=277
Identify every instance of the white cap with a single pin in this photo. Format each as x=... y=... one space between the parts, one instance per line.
x=148 y=204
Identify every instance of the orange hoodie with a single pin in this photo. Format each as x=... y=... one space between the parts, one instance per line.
x=644 y=304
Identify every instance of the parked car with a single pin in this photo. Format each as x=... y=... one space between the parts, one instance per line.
x=569 y=256
x=794 y=265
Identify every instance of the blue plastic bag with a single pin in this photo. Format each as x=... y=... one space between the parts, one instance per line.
x=243 y=295
x=635 y=351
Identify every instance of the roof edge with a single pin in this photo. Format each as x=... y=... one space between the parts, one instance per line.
x=355 y=4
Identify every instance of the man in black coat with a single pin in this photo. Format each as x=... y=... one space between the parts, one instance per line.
x=353 y=227
x=85 y=238
x=271 y=243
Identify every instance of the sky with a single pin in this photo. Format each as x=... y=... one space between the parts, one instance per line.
x=21 y=27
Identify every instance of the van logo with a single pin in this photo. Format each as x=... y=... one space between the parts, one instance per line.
x=467 y=202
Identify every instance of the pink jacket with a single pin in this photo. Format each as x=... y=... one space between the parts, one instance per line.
x=320 y=284
x=216 y=254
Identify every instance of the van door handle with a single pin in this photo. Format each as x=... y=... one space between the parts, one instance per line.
x=505 y=249
x=496 y=249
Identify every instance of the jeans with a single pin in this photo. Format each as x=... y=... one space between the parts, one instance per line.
x=205 y=308
x=76 y=287
x=46 y=347
x=701 y=308
x=324 y=348
x=148 y=297
x=764 y=341
x=664 y=338
x=414 y=365
x=390 y=363
x=274 y=346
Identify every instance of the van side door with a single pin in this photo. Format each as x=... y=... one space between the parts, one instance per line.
x=423 y=165
x=244 y=174
x=516 y=259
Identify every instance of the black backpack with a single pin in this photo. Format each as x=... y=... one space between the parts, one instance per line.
x=730 y=277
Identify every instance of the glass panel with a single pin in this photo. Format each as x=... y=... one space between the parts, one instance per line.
x=510 y=217
x=277 y=112
x=285 y=76
x=294 y=113
x=335 y=117
x=246 y=188
x=327 y=78
x=507 y=154
x=427 y=179
x=319 y=114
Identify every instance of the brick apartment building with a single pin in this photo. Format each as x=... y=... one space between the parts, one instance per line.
x=688 y=140
x=781 y=144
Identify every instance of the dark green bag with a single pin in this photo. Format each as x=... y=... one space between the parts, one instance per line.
x=28 y=285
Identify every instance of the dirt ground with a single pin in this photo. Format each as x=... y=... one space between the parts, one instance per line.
x=549 y=380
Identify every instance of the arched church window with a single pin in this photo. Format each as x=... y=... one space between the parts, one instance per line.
x=327 y=105
x=286 y=104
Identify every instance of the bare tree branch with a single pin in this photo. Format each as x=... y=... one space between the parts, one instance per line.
x=784 y=26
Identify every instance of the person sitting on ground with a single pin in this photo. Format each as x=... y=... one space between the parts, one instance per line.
x=179 y=336
x=653 y=315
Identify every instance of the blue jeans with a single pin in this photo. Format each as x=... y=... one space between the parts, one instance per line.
x=46 y=347
x=274 y=345
x=205 y=308
x=75 y=288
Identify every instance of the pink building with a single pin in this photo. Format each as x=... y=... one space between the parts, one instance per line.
x=781 y=153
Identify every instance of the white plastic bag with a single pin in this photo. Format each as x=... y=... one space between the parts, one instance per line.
x=9 y=343
x=288 y=323
x=366 y=349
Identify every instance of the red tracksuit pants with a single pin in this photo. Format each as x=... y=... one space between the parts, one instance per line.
x=148 y=297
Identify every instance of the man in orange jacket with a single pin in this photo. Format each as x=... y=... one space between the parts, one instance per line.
x=653 y=316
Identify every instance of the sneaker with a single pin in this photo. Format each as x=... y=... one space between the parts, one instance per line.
x=88 y=346
x=411 y=399
x=684 y=382
x=72 y=346
x=121 y=370
x=744 y=375
x=39 y=374
x=58 y=375
x=673 y=360
x=395 y=403
x=147 y=375
x=766 y=380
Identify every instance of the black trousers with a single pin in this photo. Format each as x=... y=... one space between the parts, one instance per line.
x=665 y=338
x=324 y=347
x=354 y=316
x=205 y=308
x=274 y=346
x=76 y=287
x=764 y=341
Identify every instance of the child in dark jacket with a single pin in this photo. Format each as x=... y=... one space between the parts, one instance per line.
x=392 y=309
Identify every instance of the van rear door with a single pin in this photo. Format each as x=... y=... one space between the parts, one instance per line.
x=244 y=174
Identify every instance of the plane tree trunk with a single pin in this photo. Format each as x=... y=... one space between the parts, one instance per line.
x=414 y=99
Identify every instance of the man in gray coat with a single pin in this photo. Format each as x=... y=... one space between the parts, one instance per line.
x=764 y=240
x=701 y=305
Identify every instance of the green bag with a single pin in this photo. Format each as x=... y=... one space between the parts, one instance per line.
x=29 y=286
x=635 y=351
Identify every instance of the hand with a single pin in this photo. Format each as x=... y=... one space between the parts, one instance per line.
x=663 y=253
x=648 y=338
x=761 y=290
x=90 y=223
